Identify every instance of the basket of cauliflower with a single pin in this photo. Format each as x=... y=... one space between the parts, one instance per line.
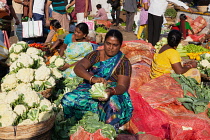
x=25 y=115
x=28 y=71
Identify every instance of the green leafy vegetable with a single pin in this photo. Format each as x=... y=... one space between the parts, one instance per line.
x=98 y=91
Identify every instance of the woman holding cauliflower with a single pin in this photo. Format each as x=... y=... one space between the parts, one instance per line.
x=168 y=60
x=74 y=48
x=108 y=66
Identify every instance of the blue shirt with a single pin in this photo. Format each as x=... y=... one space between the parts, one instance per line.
x=68 y=39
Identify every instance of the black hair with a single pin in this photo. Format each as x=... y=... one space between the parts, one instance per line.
x=83 y=27
x=174 y=38
x=182 y=17
x=98 y=6
x=115 y=33
x=55 y=23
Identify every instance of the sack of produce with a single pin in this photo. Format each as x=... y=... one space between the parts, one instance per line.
x=198 y=25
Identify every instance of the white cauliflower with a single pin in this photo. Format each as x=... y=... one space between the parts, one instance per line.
x=39 y=83
x=18 y=48
x=11 y=96
x=207 y=55
x=50 y=82
x=11 y=49
x=9 y=82
x=19 y=109
x=42 y=73
x=13 y=66
x=8 y=118
x=24 y=87
x=33 y=51
x=47 y=103
x=13 y=57
x=25 y=75
x=4 y=108
x=31 y=97
x=204 y=63
x=56 y=73
x=27 y=122
x=2 y=96
x=59 y=62
x=53 y=58
x=25 y=60
x=34 y=56
x=43 y=116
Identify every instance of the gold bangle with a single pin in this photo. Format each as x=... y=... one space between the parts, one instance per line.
x=113 y=90
x=91 y=79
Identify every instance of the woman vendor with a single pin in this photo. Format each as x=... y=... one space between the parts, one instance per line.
x=78 y=47
x=108 y=66
x=168 y=60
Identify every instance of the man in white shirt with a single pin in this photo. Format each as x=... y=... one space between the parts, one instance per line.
x=155 y=17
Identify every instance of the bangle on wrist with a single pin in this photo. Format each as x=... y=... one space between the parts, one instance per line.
x=90 y=80
x=114 y=90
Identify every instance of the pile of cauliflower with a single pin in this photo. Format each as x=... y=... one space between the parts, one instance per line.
x=28 y=71
x=204 y=64
x=24 y=108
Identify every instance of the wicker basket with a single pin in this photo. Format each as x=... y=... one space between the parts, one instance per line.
x=38 y=131
x=202 y=8
x=47 y=93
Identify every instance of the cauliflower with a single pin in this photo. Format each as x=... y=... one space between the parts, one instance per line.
x=19 y=109
x=25 y=60
x=46 y=103
x=42 y=73
x=13 y=57
x=11 y=96
x=27 y=122
x=204 y=63
x=4 y=108
x=8 y=118
x=53 y=58
x=207 y=55
x=11 y=49
x=13 y=66
x=24 y=87
x=56 y=73
x=9 y=82
x=31 y=97
x=18 y=48
x=59 y=62
x=43 y=116
x=25 y=75
x=33 y=51
x=2 y=96
x=50 y=82
x=39 y=83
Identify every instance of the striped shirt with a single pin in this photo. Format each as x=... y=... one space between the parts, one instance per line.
x=59 y=6
x=124 y=68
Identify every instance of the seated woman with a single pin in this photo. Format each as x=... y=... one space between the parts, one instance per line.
x=168 y=60
x=78 y=47
x=105 y=66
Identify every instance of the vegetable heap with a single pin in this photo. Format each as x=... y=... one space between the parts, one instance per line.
x=98 y=91
x=24 y=108
x=194 y=51
x=101 y=30
x=90 y=122
x=37 y=45
x=200 y=93
x=28 y=71
x=204 y=64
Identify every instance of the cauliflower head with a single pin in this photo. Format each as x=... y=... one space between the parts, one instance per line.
x=8 y=118
x=56 y=73
x=31 y=97
x=25 y=75
x=59 y=62
x=27 y=122
x=13 y=57
x=9 y=82
x=33 y=51
x=11 y=96
x=46 y=103
x=4 y=108
x=19 y=109
x=53 y=58
x=43 y=116
x=42 y=73
x=50 y=82
x=204 y=63
x=25 y=60
x=18 y=49
x=24 y=87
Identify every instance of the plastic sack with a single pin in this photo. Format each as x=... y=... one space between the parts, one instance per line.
x=197 y=38
x=198 y=24
x=81 y=134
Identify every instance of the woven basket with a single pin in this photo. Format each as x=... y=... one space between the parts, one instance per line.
x=47 y=93
x=38 y=131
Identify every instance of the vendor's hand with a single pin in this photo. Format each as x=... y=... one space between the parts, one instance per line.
x=98 y=80
x=192 y=63
x=66 y=66
x=108 y=91
x=47 y=22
